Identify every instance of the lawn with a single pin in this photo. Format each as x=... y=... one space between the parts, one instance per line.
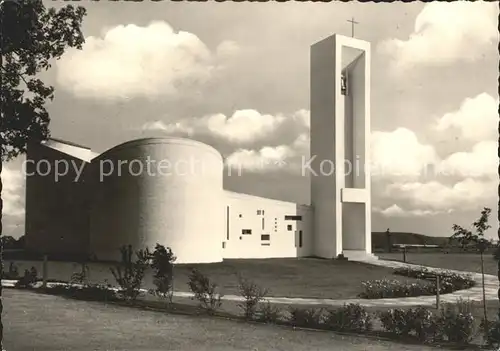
x=470 y=262
x=43 y=322
x=307 y=277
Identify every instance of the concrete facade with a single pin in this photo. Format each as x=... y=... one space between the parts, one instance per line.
x=170 y=190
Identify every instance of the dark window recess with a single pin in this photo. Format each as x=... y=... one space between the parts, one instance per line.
x=262 y=212
x=343 y=84
x=227 y=222
x=223 y=244
x=300 y=238
x=293 y=218
x=262 y=223
x=265 y=244
x=289 y=227
x=259 y=212
x=246 y=231
x=240 y=215
x=265 y=237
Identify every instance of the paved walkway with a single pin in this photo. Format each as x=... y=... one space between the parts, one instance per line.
x=472 y=294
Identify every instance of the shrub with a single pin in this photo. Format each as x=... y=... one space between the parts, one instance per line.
x=162 y=263
x=28 y=280
x=380 y=289
x=252 y=294
x=12 y=273
x=129 y=274
x=427 y=325
x=351 y=317
x=458 y=322
x=82 y=276
x=306 y=317
x=205 y=291
x=421 y=322
x=491 y=333
x=449 y=281
x=90 y=292
x=268 y=313
x=397 y=321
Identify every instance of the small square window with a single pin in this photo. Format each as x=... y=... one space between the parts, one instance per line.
x=265 y=237
x=240 y=215
x=258 y=212
x=289 y=227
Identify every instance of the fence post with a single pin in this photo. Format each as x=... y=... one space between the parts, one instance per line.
x=45 y=272
x=438 y=302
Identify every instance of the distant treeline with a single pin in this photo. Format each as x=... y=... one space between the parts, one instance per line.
x=10 y=243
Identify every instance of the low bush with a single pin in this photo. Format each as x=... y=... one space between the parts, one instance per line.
x=385 y=288
x=449 y=281
x=454 y=322
x=350 y=317
x=458 y=322
x=268 y=313
x=129 y=274
x=252 y=294
x=306 y=317
x=397 y=321
x=82 y=276
x=427 y=325
x=162 y=263
x=491 y=333
x=205 y=291
x=12 y=273
x=90 y=292
x=28 y=280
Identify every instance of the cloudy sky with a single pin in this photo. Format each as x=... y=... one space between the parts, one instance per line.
x=236 y=76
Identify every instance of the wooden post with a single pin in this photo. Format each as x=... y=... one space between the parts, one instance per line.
x=438 y=302
x=45 y=270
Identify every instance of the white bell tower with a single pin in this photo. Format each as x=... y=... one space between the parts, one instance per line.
x=340 y=147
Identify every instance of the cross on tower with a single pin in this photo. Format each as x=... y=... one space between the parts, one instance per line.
x=353 y=22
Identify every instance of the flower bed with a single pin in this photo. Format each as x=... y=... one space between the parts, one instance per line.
x=387 y=288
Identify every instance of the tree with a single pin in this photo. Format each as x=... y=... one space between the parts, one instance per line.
x=31 y=36
x=466 y=237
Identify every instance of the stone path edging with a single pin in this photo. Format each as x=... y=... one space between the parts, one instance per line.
x=473 y=294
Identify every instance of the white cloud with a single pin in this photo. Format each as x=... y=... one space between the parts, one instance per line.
x=476 y=119
x=263 y=160
x=482 y=161
x=396 y=211
x=400 y=154
x=128 y=61
x=12 y=181
x=243 y=126
x=433 y=195
x=446 y=32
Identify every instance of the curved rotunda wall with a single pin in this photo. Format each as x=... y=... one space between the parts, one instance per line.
x=177 y=202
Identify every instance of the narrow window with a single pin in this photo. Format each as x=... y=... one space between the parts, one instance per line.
x=265 y=244
x=223 y=244
x=300 y=238
x=227 y=222
x=293 y=218
x=262 y=223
